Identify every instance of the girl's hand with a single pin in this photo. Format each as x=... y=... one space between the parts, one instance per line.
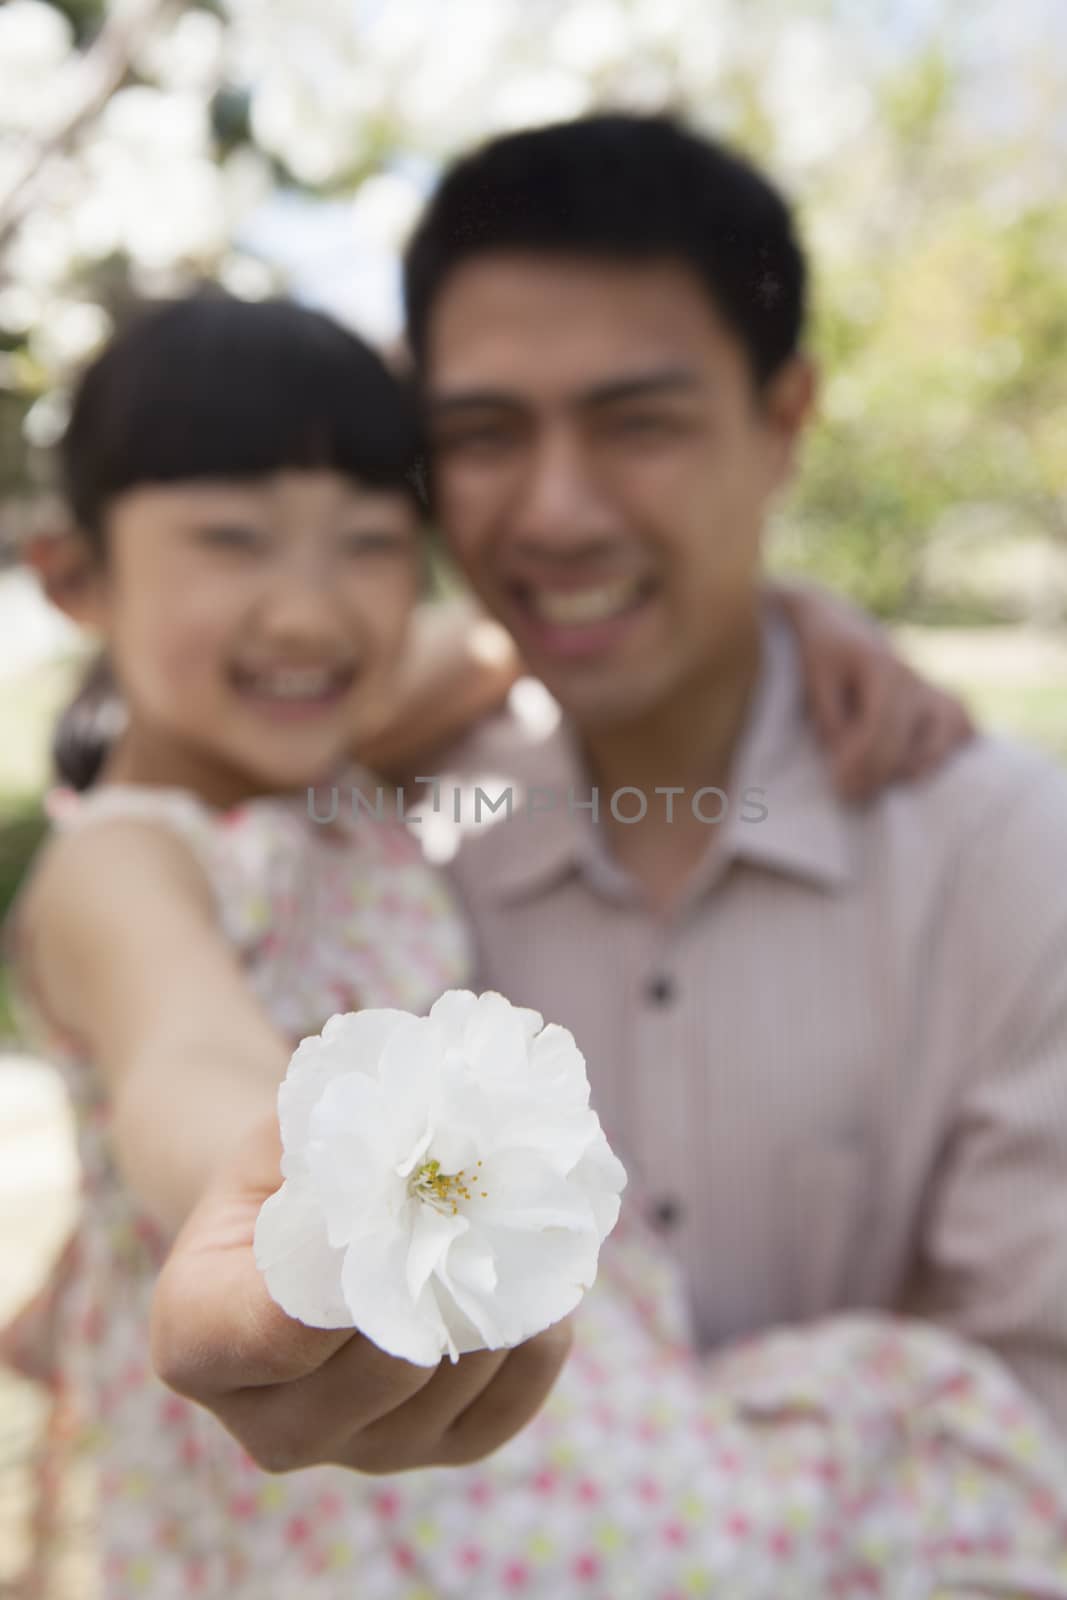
x=296 y=1396
x=879 y=720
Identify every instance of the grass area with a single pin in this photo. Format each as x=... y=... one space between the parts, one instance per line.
x=1037 y=712
x=1014 y=679
x=19 y=837
x=29 y=705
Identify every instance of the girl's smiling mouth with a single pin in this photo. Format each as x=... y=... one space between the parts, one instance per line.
x=294 y=690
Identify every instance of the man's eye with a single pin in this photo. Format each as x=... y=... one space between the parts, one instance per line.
x=643 y=424
x=482 y=439
x=232 y=536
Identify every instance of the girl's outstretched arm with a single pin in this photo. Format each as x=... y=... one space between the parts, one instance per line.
x=129 y=958
x=138 y=968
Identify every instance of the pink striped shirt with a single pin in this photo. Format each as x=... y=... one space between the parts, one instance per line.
x=840 y=1065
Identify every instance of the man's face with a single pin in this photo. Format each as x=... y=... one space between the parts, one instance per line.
x=602 y=468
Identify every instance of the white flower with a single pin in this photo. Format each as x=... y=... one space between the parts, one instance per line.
x=447 y=1185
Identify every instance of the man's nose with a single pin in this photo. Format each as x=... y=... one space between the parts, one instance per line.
x=559 y=501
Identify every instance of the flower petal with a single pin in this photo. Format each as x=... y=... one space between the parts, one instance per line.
x=541 y=1276
x=523 y=1193
x=470 y=1263
x=415 y=1155
x=451 y=1013
x=601 y=1177
x=409 y=1070
x=558 y=1067
x=352 y=1110
x=455 y=1146
x=349 y=1042
x=350 y=1159
x=560 y=1140
x=431 y=1234
x=302 y=1271
x=468 y=1273
x=510 y=1116
x=374 y=1281
x=495 y=1040
x=363 y=1034
x=463 y=1332
x=531 y=1021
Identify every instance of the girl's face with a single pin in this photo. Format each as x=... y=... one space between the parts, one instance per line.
x=255 y=628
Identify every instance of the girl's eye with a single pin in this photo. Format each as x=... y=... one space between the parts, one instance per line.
x=373 y=544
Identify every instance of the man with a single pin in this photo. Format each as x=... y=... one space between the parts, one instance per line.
x=830 y=1041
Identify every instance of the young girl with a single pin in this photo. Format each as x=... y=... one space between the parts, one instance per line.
x=241 y=474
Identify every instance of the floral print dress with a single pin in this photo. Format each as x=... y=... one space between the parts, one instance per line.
x=855 y=1457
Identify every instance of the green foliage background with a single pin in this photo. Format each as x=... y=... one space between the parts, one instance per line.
x=938 y=231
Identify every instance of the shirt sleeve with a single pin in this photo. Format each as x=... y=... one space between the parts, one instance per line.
x=992 y=1252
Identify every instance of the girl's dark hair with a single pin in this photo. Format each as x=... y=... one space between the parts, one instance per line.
x=210 y=386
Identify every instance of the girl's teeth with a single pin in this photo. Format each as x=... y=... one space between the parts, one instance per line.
x=294 y=685
x=584 y=605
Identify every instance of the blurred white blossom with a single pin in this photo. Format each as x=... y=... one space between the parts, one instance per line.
x=591 y=35
x=187 y=52
x=74 y=331
x=131 y=186
x=815 y=104
x=386 y=208
x=36 y=41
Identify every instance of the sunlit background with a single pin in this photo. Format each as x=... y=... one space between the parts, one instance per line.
x=288 y=144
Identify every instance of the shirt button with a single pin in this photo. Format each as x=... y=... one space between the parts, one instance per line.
x=666 y=1213
x=660 y=990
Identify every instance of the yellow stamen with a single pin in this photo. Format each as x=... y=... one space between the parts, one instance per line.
x=440 y=1189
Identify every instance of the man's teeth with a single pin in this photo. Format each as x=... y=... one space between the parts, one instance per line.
x=294 y=683
x=585 y=605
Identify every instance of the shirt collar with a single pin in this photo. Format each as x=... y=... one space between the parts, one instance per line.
x=805 y=832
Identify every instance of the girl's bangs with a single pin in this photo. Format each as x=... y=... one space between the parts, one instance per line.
x=216 y=388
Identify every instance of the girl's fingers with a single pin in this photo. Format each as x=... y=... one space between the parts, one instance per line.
x=929 y=742
x=873 y=741
x=943 y=725
x=513 y=1399
x=215 y=1328
x=829 y=696
x=318 y=1418
x=412 y=1433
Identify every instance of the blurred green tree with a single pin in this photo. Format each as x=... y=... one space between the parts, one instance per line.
x=924 y=144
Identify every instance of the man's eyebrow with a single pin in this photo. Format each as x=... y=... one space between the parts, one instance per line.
x=608 y=392
x=638 y=385
x=445 y=404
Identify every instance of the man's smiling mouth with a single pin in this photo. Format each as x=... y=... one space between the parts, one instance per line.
x=573 y=607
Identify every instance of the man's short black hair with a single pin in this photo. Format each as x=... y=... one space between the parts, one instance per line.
x=622 y=187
